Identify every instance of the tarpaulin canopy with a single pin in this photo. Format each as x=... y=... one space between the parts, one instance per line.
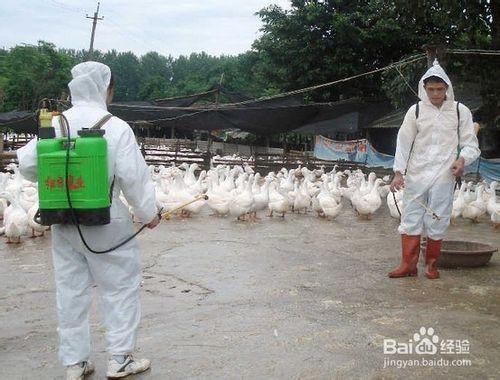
x=259 y=118
x=266 y=116
x=18 y=121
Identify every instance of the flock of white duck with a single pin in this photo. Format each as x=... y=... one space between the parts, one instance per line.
x=240 y=192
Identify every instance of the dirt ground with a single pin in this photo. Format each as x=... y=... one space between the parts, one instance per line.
x=299 y=298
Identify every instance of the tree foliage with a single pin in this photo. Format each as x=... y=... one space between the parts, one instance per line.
x=321 y=41
x=311 y=43
x=30 y=73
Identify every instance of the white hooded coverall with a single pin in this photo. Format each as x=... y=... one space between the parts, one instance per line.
x=428 y=166
x=118 y=273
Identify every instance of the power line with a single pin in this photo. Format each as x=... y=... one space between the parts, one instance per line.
x=401 y=63
x=474 y=52
x=128 y=34
x=66 y=7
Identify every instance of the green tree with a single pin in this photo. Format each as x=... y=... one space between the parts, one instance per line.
x=321 y=41
x=154 y=87
x=30 y=73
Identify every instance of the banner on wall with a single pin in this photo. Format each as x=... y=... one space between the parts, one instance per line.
x=362 y=152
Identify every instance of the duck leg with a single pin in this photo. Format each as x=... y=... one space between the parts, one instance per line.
x=283 y=214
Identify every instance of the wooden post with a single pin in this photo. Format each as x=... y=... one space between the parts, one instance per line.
x=434 y=51
x=1 y=150
x=209 y=142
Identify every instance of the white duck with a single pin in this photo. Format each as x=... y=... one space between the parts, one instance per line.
x=14 y=185
x=3 y=202
x=302 y=199
x=328 y=203
x=28 y=197
x=242 y=203
x=469 y=195
x=199 y=187
x=477 y=208
x=367 y=204
x=493 y=206
x=218 y=200
x=458 y=205
x=261 y=198
x=492 y=201
x=189 y=177
x=177 y=194
x=335 y=189
x=316 y=206
x=391 y=203
x=15 y=219
x=36 y=229
x=277 y=201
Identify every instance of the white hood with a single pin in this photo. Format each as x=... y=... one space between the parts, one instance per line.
x=90 y=84
x=437 y=71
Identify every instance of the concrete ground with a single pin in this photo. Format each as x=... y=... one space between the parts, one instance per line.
x=299 y=298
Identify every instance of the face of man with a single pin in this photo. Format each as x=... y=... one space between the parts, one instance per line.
x=436 y=92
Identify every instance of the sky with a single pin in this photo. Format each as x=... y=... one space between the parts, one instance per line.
x=170 y=27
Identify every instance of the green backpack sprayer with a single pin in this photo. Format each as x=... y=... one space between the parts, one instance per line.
x=72 y=174
x=73 y=177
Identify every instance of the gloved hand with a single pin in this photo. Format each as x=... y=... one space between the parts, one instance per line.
x=154 y=222
x=457 y=168
x=398 y=182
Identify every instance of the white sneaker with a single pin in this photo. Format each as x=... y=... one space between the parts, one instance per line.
x=129 y=367
x=79 y=371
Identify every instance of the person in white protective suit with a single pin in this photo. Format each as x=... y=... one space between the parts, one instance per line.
x=118 y=273
x=435 y=142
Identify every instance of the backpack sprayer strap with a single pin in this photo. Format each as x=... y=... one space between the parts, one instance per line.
x=458 y=180
x=417 y=111
x=101 y=122
x=63 y=126
x=98 y=125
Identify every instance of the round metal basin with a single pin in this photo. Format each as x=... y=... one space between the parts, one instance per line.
x=456 y=253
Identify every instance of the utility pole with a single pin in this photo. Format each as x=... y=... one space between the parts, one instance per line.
x=434 y=51
x=94 y=24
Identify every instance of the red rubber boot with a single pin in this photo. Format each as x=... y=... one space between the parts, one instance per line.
x=432 y=252
x=410 y=249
